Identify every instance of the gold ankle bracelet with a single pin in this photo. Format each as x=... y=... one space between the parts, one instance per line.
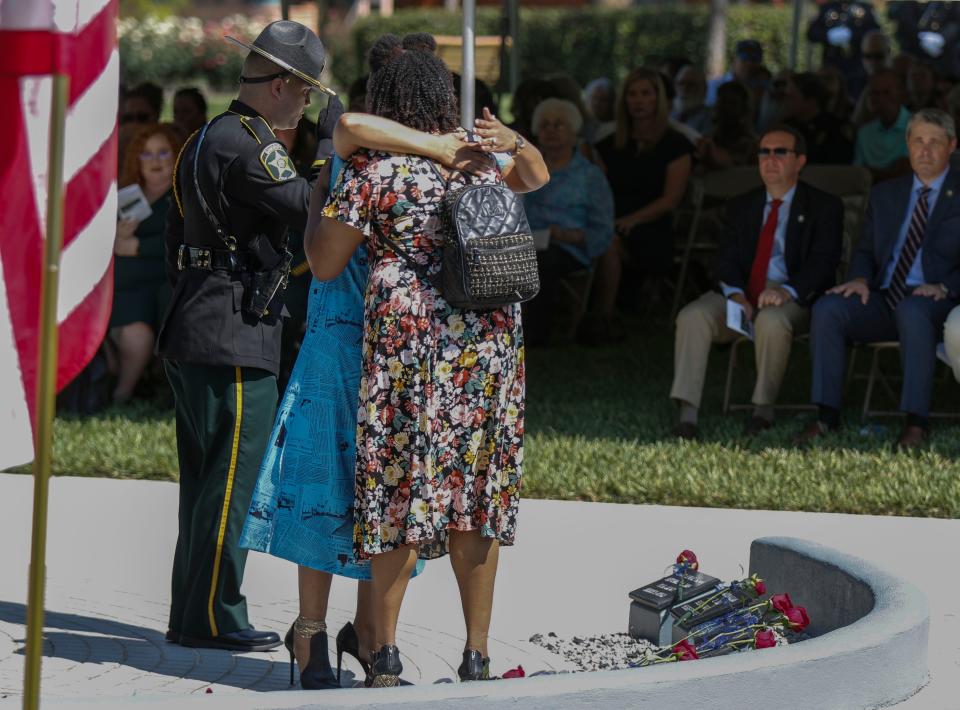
x=308 y=628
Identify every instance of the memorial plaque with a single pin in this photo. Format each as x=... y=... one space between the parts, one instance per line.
x=699 y=612
x=650 y=605
x=668 y=591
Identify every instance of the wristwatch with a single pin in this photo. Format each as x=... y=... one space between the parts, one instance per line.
x=520 y=145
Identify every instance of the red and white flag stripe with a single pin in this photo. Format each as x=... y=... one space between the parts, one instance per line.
x=40 y=38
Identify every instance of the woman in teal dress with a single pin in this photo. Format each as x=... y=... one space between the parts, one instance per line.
x=140 y=286
x=302 y=505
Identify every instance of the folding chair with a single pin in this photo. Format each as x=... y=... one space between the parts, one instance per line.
x=880 y=378
x=706 y=192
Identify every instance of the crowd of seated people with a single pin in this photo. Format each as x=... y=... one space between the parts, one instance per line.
x=621 y=159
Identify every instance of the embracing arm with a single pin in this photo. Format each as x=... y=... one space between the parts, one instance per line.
x=363 y=130
x=525 y=171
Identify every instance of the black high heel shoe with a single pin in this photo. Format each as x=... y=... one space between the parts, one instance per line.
x=386 y=668
x=348 y=642
x=317 y=674
x=474 y=666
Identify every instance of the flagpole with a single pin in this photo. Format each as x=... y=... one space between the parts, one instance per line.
x=46 y=391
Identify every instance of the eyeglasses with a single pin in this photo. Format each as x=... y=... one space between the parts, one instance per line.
x=162 y=154
x=874 y=56
x=135 y=117
x=779 y=152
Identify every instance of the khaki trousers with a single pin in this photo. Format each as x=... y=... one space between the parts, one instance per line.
x=951 y=340
x=704 y=322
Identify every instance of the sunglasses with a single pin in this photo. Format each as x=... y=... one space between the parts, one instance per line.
x=875 y=56
x=779 y=152
x=159 y=155
x=135 y=117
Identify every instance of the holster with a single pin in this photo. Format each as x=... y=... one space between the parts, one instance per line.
x=265 y=285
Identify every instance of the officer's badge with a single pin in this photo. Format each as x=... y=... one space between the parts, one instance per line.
x=277 y=162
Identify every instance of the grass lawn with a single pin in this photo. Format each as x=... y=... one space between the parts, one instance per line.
x=598 y=423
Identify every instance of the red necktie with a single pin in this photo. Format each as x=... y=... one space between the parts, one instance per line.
x=761 y=262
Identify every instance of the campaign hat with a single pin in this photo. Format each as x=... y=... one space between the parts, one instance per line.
x=293 y=47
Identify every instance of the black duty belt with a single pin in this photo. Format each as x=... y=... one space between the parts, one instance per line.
x=209 y=259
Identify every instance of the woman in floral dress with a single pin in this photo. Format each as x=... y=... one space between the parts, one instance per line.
x=440 y=420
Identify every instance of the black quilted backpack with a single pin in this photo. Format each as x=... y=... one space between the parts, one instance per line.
x=489 y=258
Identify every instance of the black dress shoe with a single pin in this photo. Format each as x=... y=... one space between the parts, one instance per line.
x=172 y=636
x=244 y=640
x=474 y=666
x=757 y=425
x=686 y=431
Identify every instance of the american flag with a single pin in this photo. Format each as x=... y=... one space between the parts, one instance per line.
x=40 y=38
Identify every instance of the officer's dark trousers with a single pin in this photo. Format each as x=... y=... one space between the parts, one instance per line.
x=224 y=416
x=917 y=323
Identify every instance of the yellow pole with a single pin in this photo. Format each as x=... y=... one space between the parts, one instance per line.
x=46 y=391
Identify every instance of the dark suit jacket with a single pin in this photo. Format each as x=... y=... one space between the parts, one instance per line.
x=812 y=248
x=886 y=212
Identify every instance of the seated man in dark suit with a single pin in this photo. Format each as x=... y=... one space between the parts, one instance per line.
x=904 y=279
x=779 y=250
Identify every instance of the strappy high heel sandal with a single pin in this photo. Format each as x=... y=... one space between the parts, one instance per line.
x=348 y=642
x=386 y=668
x=474 y=666
x=317 y=674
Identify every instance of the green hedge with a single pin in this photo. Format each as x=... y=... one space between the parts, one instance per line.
x=587 y=43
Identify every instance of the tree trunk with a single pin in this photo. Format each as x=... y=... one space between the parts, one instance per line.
x=717 y=39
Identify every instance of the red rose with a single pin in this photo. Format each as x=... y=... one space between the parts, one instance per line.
x=760 y=586
x=686 y=651
x=764 y=638
x=781 y=602
x=688 y=558
x=517 y=672
x=797 y=618
x=461 y=378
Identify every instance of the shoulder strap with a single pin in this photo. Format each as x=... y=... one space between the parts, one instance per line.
x=227 y=239
x=402 y=253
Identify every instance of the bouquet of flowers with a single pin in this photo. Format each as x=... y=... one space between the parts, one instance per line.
x=762 y=624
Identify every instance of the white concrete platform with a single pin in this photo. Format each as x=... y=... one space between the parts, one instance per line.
x=111 y=544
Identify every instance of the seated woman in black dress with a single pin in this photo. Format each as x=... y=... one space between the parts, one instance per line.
x=140 y=288
x=647 y=164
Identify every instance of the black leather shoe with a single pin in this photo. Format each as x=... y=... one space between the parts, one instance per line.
x=172 y=636
x=757 y=425
x=244 y=640
x=474 y=666
x=386 y=668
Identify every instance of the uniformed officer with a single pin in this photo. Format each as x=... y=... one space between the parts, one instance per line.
x=237 y=192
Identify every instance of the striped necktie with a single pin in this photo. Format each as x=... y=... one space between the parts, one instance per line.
x=918 y=226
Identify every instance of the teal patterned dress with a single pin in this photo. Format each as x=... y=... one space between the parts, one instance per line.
x=302 y=506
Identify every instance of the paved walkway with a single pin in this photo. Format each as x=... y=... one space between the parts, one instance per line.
x=111 y=545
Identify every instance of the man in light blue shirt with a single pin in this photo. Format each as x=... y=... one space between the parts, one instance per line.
x=904 y=279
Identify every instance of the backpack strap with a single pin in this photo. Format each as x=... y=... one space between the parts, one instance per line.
x=417 y=268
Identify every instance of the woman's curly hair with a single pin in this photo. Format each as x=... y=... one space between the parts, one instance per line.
x=411 y=86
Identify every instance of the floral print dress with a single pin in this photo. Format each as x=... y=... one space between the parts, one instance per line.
x=440 y=420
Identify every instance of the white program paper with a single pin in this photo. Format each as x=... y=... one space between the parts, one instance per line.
x=737 y=319
x=132 y=203
x=541 y=239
